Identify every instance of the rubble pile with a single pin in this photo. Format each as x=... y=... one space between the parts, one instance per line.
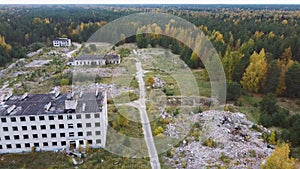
x=158 y=83
x=236 y=144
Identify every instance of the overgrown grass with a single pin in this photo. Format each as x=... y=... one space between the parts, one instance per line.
x=126 y=97
x=106 y=80
x=125 y=122
x=249 y=105
x=203 y=85
x=36 y=160
x=169 y=81
x=293 y=105
x=103 y=159
x=97 y=158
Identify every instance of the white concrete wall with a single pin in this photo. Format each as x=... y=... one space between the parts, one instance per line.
x=59 y=43
x=89 y=62
x=66 y=121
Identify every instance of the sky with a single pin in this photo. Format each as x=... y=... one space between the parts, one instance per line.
x=149 y=2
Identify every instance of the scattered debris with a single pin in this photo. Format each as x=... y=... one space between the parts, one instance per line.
x=34 y=53
x=158 y=83
x=37 y=63
x=236 y=145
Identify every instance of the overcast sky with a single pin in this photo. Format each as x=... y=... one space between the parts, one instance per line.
x=149 y=2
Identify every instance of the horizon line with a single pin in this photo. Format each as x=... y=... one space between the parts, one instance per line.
x=149 y=4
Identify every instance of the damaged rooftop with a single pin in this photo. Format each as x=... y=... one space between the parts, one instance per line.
x=58 y=103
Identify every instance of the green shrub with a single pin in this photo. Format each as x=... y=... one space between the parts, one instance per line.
x=158 y=130
x=252 y=153
x=224 y=158
x=170 y=154
x=234 y=91
x=168 y=91
x=210 y=143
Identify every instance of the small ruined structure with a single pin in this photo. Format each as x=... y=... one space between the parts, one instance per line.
x=158 y=83
x=90 y=60
x=62 y=42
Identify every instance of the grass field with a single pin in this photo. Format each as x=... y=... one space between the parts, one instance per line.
x=96 y=158
x=42 y=160
x=292 y=105
x=130 y=126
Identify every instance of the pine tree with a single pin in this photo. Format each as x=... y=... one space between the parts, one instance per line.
x=292 y=81
x=272 y=77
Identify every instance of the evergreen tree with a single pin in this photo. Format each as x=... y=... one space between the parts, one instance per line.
x=272 y=77
x=292 y=81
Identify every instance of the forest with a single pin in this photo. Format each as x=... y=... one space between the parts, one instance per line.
x=258 y=46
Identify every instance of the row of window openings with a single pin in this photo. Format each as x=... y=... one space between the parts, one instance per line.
x=87 y=63
x=60 y=42
x=41 y=118
x=52 y=126
x=52 y=135
x=46 y=144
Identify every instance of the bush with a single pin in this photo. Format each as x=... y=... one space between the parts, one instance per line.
x=170 y=154
x=197 y=125
x=168 y=91
x=224 y=158
x=234 y=91
x=272 y=138
x=64 y=81
x=176 y=112
x=265 y=120
x=257 y=128
x=279 y=119
x=285 y=135
x=210 y=143
x=268 y=104
x=132 y=96
x=33 y=149
x=252 y=153
x=158 y=130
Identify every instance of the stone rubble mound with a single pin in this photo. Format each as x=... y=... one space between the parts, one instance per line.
x=236 y=144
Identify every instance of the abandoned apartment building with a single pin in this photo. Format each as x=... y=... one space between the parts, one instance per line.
x=97 y=60
x=52 y=122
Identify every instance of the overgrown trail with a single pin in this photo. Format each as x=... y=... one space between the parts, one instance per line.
x=141 y=105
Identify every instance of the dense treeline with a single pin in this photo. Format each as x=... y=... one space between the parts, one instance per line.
x=257 y=48
x=274 y=115
x=262 y=58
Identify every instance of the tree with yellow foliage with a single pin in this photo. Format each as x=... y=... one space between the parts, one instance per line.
x=280 y=159
x=272 y=138
x=285 y=62
x=158 y=130
x=258 y=34
x=218 y=36
x=284 y=22
x=271 y=35
x=4 y=45
x=36 y=20
x=255 y=72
